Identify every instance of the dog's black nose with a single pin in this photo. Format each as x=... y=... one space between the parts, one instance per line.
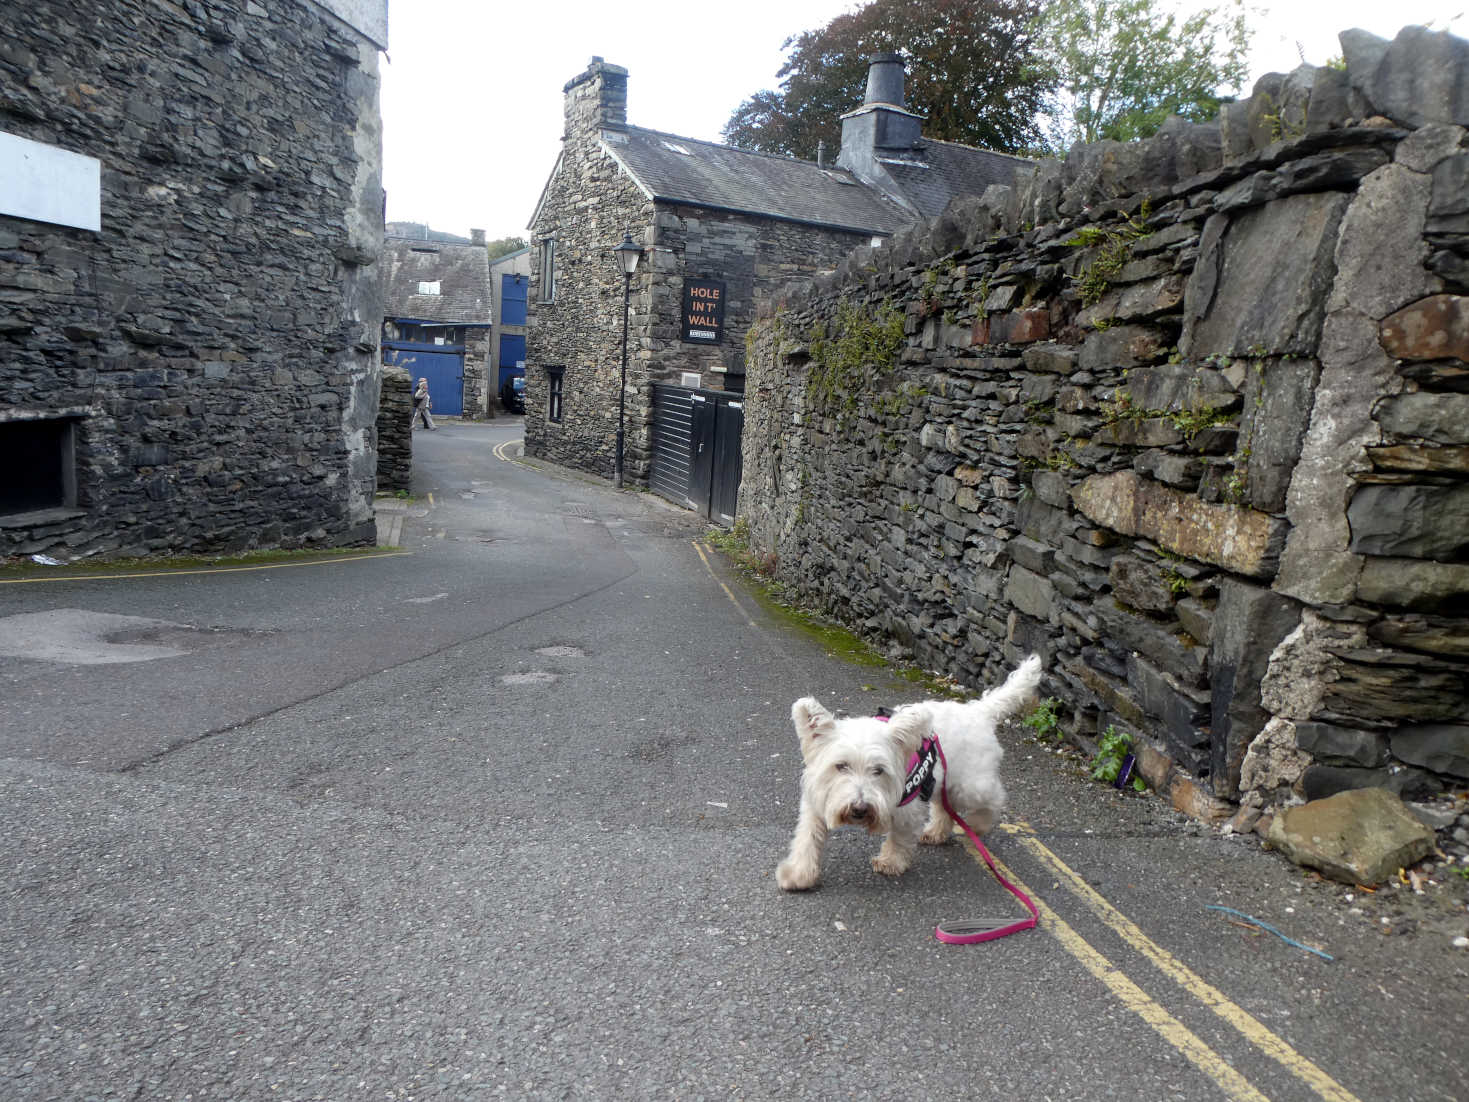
x=861 y=811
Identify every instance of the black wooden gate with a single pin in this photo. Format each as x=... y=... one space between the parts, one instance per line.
x=696 y=449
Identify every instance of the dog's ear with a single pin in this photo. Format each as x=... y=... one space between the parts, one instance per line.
x=910 y=727
x=812 y=722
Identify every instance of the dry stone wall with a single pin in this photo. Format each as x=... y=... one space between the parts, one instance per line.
x=395 y=431
x=1188 y=416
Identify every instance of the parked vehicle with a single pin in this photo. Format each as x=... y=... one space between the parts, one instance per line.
x=512 y=394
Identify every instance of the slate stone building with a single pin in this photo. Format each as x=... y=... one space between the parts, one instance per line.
x=720 y=228
x=436 y=321
x=190 y=223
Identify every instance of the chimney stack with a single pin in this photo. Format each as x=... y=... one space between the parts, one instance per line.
x=476 y=237
x=596 y=100
x=882 y=124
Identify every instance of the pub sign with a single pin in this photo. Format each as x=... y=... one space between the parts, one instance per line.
x=703 y=311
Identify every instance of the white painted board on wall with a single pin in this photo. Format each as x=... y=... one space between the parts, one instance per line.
x=47 y=184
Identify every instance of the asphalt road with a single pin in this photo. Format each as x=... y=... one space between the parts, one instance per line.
x=498 y=816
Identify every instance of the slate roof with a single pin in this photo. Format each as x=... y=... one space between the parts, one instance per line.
x=462 y=272
x=934 y=172
x=705 y=174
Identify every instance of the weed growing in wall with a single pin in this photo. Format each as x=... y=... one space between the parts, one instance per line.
x=861 y=346
x=1112 y=250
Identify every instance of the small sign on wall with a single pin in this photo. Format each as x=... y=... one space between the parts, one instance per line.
x=47 y=184
x=703 y=311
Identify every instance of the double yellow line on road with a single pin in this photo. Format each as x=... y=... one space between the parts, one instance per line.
x=1188 y=1043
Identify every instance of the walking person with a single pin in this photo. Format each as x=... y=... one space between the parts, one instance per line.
x=422 y=403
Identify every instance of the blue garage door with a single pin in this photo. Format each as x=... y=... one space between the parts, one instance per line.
x=444 y=372
x=512 y=352
x=513 y=290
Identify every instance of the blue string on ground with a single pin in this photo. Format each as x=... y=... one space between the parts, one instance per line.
x=1266 y=926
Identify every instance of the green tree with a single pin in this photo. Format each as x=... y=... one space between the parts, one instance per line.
x=1121 y=67
x=971 y=66
x=503 y=245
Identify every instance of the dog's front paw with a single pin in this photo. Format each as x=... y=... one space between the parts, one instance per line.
x=792 y=876
x=890 y=864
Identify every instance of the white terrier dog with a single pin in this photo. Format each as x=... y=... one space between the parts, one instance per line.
x=855 y=772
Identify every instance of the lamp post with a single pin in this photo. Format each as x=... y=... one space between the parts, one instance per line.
x=628 y=254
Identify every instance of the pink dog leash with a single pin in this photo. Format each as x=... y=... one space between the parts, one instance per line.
x=967 y=931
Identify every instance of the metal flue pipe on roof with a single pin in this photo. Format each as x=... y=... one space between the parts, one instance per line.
x=885 y=80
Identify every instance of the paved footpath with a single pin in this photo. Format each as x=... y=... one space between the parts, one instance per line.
x=496 y=814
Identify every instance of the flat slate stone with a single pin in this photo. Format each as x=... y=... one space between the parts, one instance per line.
x=1417 y=584
x=1441 y=747
x=1357 y=837
x=1434 y=328
x=1414 y=521
x=1259 y=286
x=1240 y=540
x=1141 y=585
x=1342 y=745
x=1440 y=418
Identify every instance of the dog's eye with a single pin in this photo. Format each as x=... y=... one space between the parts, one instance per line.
x=841 y=767
x=877 y=770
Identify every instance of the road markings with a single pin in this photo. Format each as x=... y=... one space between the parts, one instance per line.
x=1134 y=998
x=709 y=567
x=1253 y=1030
x=502 y=451
x=207 y=570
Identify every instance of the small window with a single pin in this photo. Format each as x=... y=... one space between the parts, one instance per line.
x=40 y=458
x=425 y=288
x=548 y=270
x=677 y=148
x=554 y=376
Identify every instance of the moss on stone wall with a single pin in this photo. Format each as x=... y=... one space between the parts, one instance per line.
x=850 y=357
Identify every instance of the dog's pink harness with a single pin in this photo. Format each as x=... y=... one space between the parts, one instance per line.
x=920 y=783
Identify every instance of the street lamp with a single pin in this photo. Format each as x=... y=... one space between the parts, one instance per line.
x=628 y=254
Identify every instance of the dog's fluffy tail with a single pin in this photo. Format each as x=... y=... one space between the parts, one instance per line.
x=1010 y=697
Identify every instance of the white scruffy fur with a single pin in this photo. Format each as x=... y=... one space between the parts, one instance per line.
x=855 y=770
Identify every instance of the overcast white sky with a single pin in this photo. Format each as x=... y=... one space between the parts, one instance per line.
x=471 y=90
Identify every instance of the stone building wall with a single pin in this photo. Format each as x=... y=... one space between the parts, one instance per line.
x=395 y=431
x=1188 y=416
x=214 y=346
x=588 y=204
x=477 y=373
x=754 y=257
